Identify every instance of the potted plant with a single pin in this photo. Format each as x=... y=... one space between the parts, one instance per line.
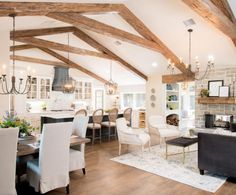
x=204 y=92
x=11 y=120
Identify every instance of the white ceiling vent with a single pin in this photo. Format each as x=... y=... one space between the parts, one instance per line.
x=189 y=22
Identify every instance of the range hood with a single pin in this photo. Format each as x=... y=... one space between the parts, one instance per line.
x=61 y=74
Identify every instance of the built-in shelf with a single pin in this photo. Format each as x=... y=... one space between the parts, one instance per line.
x=217 y=100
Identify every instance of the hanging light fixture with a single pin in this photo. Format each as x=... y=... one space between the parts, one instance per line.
x=111 y=86
x=69 y=83
x=5 y=88
x=210 y=62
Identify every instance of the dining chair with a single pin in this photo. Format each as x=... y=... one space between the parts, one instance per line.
x=96 y=124
x=77 y=160
x=129 y=136
x=111 y=123
x=81 y=112
x=51 y=169
x=127 y=115
x=159 y=130
x=8 y=150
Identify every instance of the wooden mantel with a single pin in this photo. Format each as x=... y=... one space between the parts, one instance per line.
x=217 y=100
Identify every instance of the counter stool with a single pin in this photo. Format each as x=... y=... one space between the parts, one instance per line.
x=112 y=116
x=96 y=125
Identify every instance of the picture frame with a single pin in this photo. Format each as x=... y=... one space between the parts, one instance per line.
x=214 y=86
x=224 y=91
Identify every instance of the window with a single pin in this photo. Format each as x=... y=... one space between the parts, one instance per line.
x=128 y=100
x=192 y=102
x=99 y=96
x=134 y=100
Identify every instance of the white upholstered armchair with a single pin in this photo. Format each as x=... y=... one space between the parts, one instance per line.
x=159 y=130
x=131 y=136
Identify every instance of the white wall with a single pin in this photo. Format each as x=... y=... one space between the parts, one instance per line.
x=155 y=82
x=4 y=59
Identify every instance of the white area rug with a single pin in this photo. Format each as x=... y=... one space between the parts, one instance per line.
x=154 y=162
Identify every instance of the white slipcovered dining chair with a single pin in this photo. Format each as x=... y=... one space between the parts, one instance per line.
x=159 y=130
x=51 y=169
x=127 y=135
x=8 y=149
x=77 y=160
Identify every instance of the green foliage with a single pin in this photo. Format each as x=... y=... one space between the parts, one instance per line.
x=204 y=92
x=11 y=120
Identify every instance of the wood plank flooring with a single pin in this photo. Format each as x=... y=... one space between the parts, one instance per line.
x=104 y=176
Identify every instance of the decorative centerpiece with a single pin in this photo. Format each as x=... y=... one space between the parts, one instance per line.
x=12 y=120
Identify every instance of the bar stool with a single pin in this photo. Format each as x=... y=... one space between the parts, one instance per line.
x=81 y=112
x=127 y=115
x=96 y=125
x=112 y=116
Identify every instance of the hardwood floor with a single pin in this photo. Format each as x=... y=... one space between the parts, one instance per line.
x=104 y=176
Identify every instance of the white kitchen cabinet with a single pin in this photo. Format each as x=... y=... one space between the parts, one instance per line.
x=83 y=90
x=40 y=88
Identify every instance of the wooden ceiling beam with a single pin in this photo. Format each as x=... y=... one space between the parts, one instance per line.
x=41 y=32
x=80 y=21
x=213 y=15
x=21 y=47
x=72 y=64
x=168 y=79
x=42 y=8
x=37 y=60
x=141 y=28
x=89 y=40
x=61 y=47
x=224 y=6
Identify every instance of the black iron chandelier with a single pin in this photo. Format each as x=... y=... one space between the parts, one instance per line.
x=210 y=62
x=15 y=87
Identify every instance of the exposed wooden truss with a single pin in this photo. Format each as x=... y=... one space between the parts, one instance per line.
x=42 y=8
x=37 y=60
x=141 y=28
x=72 y=64
x=21 y=47
x=176 y=78
x=214 y=15
x=71 y=13
x=224 y=6
x=83 y=36
x=84 y=22
x=61 y=47
x=42 y=32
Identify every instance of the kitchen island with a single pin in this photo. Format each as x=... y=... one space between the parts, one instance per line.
x=67 y=117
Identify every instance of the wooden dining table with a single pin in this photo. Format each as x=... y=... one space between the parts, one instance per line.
x=30 y=147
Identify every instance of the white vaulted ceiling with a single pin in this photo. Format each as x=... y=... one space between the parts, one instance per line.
x=163 y=17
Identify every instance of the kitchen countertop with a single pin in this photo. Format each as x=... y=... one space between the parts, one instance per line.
x=57 y=115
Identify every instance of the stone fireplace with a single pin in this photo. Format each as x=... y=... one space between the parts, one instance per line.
x=201 y=110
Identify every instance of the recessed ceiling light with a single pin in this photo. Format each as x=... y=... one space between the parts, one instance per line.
x=154 y=64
